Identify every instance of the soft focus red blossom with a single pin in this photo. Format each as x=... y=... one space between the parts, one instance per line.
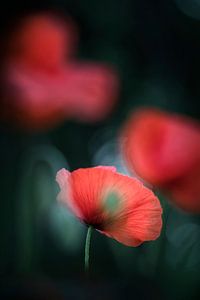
x=164 y=149
x=43 y=42
x=84 y=92
x=114 y=204
x=44 y=84
x=91 y=90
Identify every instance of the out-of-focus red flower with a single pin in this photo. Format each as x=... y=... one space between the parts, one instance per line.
x=43 y=42
x=81 y=91
x=116 y=205
x=91 y=90
x=164 y=149
x=44 y=85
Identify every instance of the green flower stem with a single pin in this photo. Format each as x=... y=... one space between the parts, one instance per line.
x=87 y=248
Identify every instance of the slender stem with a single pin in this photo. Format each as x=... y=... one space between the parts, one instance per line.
x=87 y=248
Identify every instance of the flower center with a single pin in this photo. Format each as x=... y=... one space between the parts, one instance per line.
x=111 y=203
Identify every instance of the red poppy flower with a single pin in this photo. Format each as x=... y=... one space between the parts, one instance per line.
x=85 y=92
x=114 y=204
x=164 y=149
x=90 y=90
x=42 y=41
x=43 y=86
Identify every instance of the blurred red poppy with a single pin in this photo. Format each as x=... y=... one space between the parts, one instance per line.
x=44 y=85
x=116 y=205
x=42 y=42
x=164 y=149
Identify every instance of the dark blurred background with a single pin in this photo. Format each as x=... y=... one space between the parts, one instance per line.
x=154 y=46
